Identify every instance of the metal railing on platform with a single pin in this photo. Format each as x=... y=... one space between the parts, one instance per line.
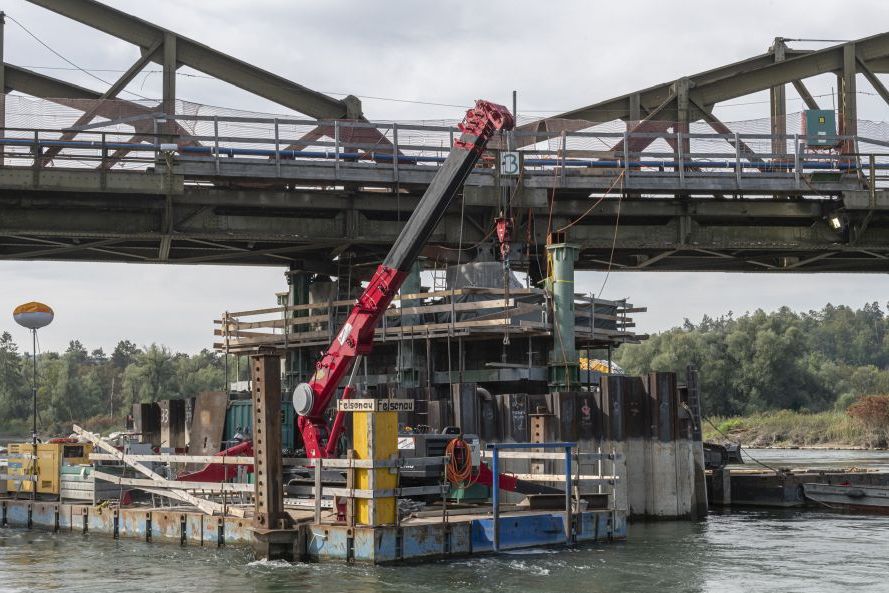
x=499 y=451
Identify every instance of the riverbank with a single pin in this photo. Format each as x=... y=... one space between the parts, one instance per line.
x=789 y=429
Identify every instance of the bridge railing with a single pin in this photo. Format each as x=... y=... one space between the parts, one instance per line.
x=284 y=143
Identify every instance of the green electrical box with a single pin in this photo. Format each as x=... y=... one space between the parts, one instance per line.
x=820 y=128
x=239 y=418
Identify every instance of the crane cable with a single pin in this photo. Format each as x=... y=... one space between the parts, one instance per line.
x=458 y=471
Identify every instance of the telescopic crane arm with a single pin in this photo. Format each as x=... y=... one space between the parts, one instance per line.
x=355 y=338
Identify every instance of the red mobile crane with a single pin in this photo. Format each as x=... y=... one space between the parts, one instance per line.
x=355 y=339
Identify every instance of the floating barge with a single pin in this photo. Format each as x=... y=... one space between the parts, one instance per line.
x=785 y=488
x=421 y=538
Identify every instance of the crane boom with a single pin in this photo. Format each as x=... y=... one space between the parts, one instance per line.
x=355 y=338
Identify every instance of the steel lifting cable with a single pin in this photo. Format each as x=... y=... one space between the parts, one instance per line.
x=591 y=208
x=613 y=245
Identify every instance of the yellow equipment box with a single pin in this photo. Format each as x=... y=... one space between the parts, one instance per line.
x=50 y=459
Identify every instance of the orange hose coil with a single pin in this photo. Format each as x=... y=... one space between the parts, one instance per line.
x=459 y=471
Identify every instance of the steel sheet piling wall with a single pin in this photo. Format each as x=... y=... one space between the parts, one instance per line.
x=612 y=409
x=643 y=419
x=663 y=462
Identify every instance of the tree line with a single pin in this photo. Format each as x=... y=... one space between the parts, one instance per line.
x=80 y=384
x=759 y=362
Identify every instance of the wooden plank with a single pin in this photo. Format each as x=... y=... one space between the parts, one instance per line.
x=216 y=487
x=167 y=458
x=295 y=338
x=386 y=493
x=205 y=505
x=238 y=327
x=522 y=309
x=411 y=296
x=364 y=463
x=561 y=478
x=584 y=457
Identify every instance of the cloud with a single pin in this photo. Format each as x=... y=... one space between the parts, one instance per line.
x=100 y=304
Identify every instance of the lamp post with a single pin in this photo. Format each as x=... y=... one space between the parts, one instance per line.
x=33 y=316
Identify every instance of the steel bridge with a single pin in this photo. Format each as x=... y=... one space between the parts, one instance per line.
x=651 y=180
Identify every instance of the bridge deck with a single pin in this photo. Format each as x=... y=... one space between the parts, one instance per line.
x=263 y=199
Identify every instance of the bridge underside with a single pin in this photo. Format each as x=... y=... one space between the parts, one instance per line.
x=187 y=217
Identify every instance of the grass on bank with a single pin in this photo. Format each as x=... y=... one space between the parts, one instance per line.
x=786 y=428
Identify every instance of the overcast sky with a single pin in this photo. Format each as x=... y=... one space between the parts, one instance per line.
x=558 y=55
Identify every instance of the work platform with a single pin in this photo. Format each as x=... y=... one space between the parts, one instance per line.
x=471 y=312
x=461 y=535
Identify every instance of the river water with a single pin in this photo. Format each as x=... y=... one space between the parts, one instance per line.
x=739 y=551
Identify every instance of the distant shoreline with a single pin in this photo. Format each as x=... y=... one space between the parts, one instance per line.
x=786 y=429
x=819 y=448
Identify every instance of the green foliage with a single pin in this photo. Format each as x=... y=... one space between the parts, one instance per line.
x=730 y=425
x=790 y=428
x=96 y=390
x=812 y=361
x=14 y=391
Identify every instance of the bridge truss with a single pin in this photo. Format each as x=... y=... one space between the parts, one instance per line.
x=651 y=180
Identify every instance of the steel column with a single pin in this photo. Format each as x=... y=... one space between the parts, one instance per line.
x=563 y=361
x=778 y=104
x=848 y=97
x=269 y=489
x=2 y=85
x=169 y=75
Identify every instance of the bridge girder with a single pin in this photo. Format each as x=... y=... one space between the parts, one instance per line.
x=137 y=218
x=692 y=98
x=180 y=50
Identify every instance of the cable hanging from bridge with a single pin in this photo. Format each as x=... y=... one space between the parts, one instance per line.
x=58 y=54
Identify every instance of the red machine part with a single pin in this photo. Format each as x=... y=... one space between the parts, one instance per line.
x=218 y=472
x=356 y=336
x=354 y=339
x=482 y=121
x=504 y=236
x=486 y=477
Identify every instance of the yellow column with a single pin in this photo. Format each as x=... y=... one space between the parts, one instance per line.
x=375 y=436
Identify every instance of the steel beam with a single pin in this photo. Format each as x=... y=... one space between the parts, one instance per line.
x=2 y=83
x=204 y=59
x=731 y=81
x=262 y=227
x=651 y=124
x=848 y=97
x=617 y=108
x=169 y=72
x=272 y=535
x=805 y=95
x=74 y=96
x=823 y=61
x=720 y=128
x=778 y=104
x=873 y=80
x=112 y=92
